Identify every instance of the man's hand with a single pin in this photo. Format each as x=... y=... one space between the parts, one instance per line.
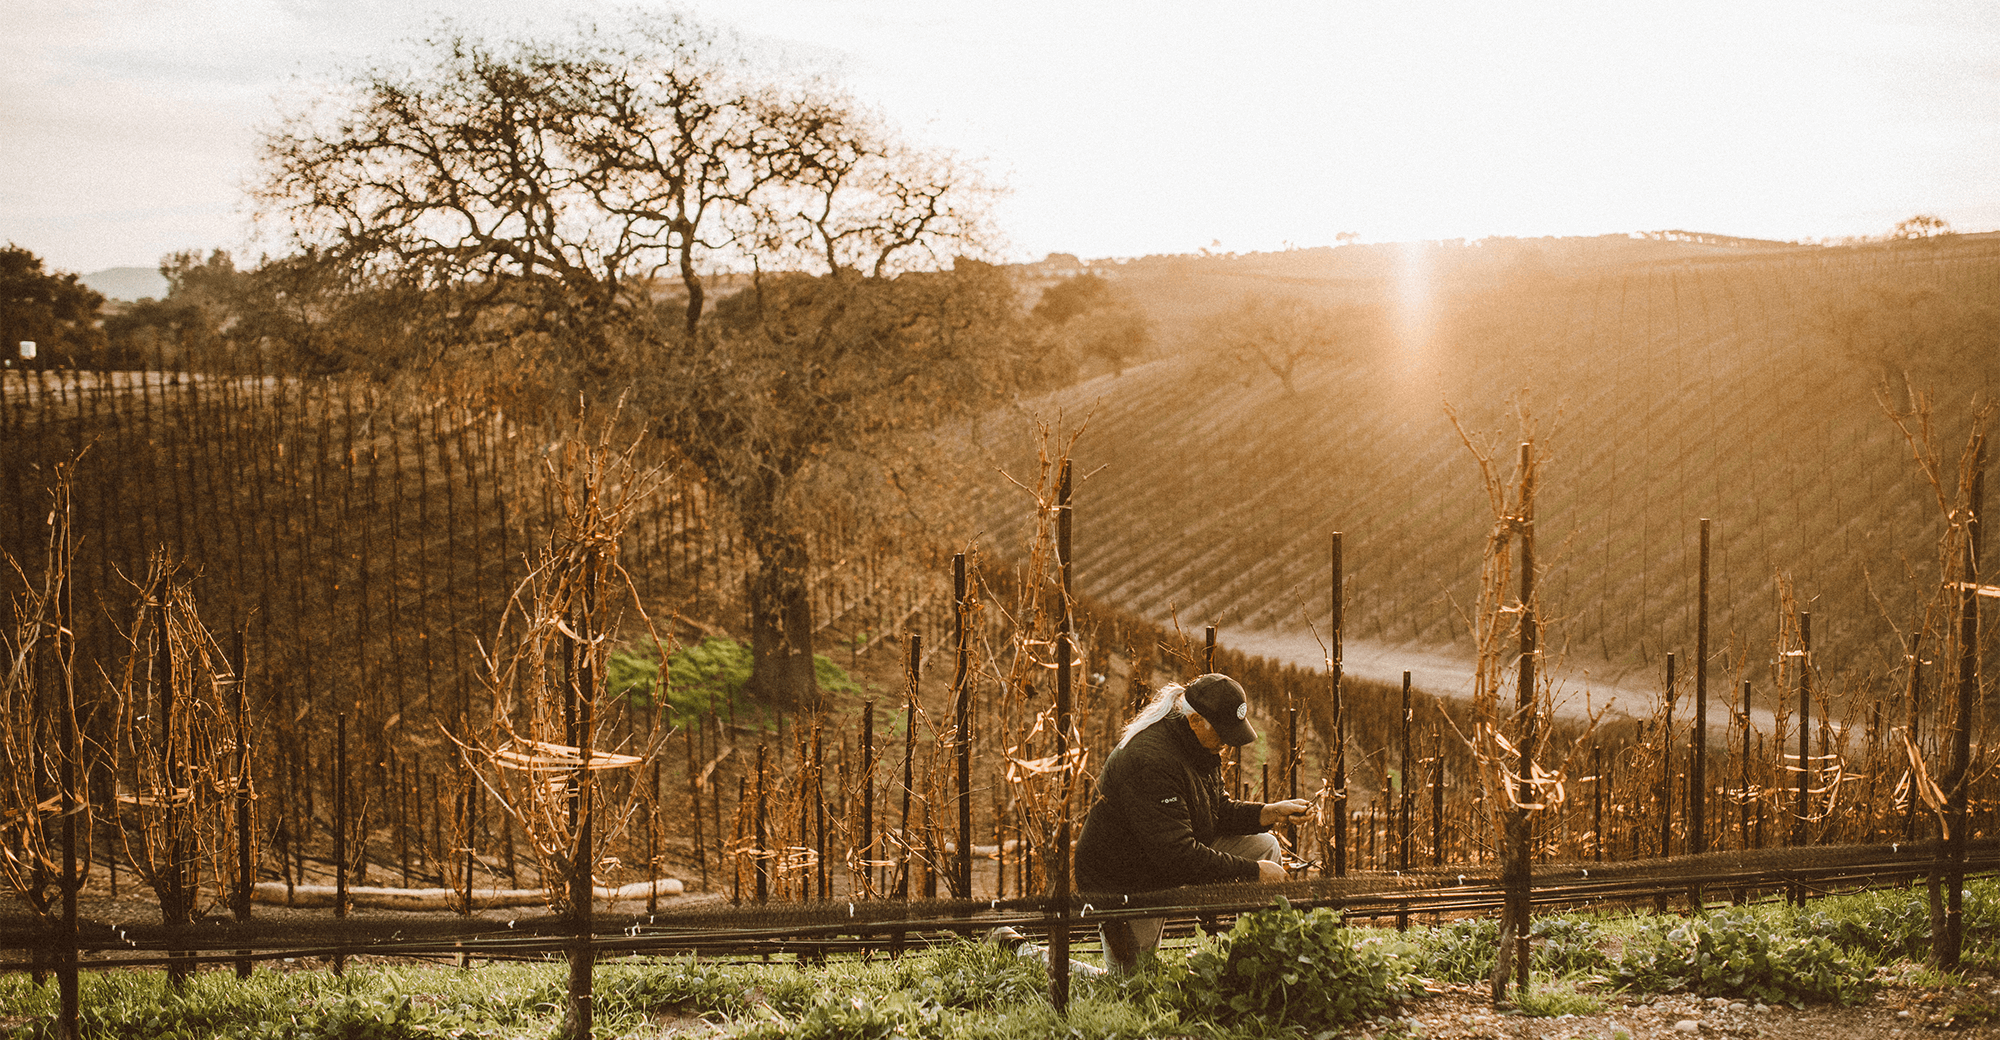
x=1278 y=812
x=1269 y=871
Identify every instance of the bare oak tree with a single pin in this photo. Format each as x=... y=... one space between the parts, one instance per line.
x=1276 y=333
x=548 y=185
x=570 y=204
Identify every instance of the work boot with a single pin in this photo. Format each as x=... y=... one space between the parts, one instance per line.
x=1010 y=939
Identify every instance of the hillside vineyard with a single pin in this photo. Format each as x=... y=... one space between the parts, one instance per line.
x=341 y=555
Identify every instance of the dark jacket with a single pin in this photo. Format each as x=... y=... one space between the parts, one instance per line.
x=1159 y=804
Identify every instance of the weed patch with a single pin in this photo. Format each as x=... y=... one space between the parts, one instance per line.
x=975 y=976
x=1743 y=953
x=1288 y=968
x=1549 y=998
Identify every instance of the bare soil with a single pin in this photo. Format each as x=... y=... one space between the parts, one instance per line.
x=1898 y=1009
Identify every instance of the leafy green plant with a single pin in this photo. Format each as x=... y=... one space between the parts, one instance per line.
x=1743 y=953
x=1894 y=923
x=1461 y=951
x=1287 y=968
x=1568 y=946
x=356 y=1018
x=689 y=986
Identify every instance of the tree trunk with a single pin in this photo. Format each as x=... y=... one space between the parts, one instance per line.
x=781 y=629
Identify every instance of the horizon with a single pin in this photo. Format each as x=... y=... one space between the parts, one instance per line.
x=1208 y=254
x=1129 y=129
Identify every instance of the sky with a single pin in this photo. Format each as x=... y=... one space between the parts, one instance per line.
x=1129 y=127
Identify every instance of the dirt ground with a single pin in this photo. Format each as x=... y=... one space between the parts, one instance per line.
x=1897 y=1010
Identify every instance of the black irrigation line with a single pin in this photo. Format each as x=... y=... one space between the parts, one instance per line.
x=817 y=930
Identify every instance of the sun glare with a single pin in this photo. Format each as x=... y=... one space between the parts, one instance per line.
x=1414 y=312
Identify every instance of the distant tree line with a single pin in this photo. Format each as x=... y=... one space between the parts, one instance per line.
x=54 y=311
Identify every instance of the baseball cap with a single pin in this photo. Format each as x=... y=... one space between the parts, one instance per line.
x=1219 y=699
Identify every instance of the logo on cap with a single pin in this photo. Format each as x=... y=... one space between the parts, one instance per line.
x=1242 y=711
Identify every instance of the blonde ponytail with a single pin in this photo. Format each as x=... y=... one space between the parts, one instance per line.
x=1171 y=700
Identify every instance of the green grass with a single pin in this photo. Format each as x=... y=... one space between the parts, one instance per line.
x=965 y=991
x=368 y=1003
x=707 y=676
x=1548 y=998
x=975 y=990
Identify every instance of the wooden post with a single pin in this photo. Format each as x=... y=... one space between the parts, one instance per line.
x=467 y=803
x=1059 y=857
x=1698 y=760
x=1597 y=801
x=694 y=801
x=439 y=859
x=1762 y=806
x=339 y=817
x=759 y=859
x=245 y=877
x=818 y=806
x=1291 y=766
x=1801 y=833
x=715 y=794
x=736 y=861
x=1333 y=667
x=653 y=841
x=1667 y=767
x=1437 y=796
x=1915 y=733
x=1743 y=768
x=1959 y=783
x=1520 y=889
x=867 y=852
x=68 y=1024
x=406 y=790
x=340 y=828
x=915 y=669
x=961 y=697
x=580 y=701
x=1403 y=802
x=1875 y=770
x=178 y=967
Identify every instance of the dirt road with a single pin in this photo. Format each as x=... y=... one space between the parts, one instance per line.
x=1579 y=688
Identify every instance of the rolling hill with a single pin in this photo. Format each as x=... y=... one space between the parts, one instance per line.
x=1665 y=382
x=129 y=284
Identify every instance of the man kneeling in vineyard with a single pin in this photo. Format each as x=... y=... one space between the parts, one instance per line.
x=1162 y=817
